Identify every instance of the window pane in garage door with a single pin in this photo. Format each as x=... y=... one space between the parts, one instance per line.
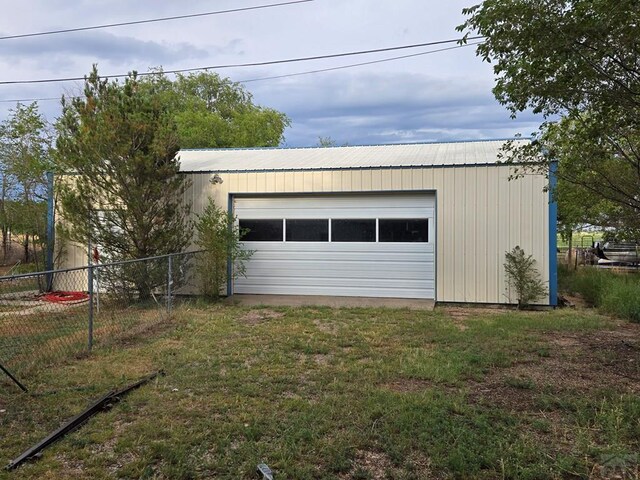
x=307 y=231
x=262 y=230
x=404 y=230
x=353 y=230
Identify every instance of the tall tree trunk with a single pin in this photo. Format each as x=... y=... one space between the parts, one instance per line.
x=5 y=243
x=26 y=248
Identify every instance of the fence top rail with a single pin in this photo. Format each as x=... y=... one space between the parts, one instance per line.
x=94 y=265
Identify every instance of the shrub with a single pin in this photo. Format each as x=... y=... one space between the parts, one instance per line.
x=523 y=277
x=219 y=236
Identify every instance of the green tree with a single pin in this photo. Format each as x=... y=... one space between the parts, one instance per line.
x=214 y=112
x=576 y=63
x=119 y=143
x=219 y=235
x=25 y=142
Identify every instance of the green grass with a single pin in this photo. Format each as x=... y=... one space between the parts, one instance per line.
x=577 y=239
x=333 y=394
x=613 y=293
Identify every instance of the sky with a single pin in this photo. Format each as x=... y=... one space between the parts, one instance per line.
x=443 y=96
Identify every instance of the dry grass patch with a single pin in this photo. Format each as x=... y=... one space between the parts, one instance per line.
x=325 y=393
x=256 y=317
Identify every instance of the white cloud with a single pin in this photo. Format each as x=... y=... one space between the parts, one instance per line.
x=445 y=95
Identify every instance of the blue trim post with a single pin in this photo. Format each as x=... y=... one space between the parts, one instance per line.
x=435 y=250
x=553 y=235
x=51 y=229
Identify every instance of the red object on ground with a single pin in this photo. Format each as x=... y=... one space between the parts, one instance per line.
x=60 y=297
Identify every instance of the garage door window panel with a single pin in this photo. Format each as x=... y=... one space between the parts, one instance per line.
x=353 y=230
x=262 y=230
x=403 y=230
x=307 y=230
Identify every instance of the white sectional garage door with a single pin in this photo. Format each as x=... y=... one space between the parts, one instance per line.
x=363 y=245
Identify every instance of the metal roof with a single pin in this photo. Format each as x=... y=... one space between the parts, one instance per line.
x=483 y=152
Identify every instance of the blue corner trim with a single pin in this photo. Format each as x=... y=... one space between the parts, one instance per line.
x=229 y=266
x=553 y=235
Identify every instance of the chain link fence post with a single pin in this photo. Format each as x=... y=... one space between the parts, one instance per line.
x=169 y=283
x=90 y=306
x=90 y=290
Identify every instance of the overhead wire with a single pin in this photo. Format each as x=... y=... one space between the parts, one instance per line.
x=250 y=64
x=274 y=77
x=151 y=20
x=372 y=62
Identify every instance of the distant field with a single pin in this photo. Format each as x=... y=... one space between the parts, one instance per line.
x=320 y=393
x=581 y=239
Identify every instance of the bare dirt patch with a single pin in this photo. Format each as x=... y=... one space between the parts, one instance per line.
x=408 y=385
x=576 y=362
x=326 y=326
x=256 y=317
x=376 y=465
x=150 y=325
x=573 y=365
x=321 y=358
x=574 y=301
x=461 y=315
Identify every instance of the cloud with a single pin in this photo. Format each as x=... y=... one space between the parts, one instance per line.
x=391 y=108
x=106 y=47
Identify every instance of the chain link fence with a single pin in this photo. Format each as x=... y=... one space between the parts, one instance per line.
x=47 y=317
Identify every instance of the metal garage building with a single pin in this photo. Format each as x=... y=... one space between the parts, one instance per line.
x=428 y=221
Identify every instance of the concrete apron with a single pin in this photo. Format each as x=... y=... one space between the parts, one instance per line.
x=328 y=301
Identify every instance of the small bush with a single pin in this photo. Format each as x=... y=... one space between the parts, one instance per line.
x=219 y=236
x=523 y=277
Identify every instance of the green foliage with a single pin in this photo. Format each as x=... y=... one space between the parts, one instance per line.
x=523 y=277
x=219 y=236
x=577 y=59
x=120 y=143
x=590 y=284
x=622 y=298
x=214 y=112
x=25 y=143
x=559 y=55
x=613 y=293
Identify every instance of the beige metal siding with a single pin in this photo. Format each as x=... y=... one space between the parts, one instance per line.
x=480 y=215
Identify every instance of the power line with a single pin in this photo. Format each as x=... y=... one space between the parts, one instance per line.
x=253 y=64
x=382 y=60
x=24 y=100
x=152 y=20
